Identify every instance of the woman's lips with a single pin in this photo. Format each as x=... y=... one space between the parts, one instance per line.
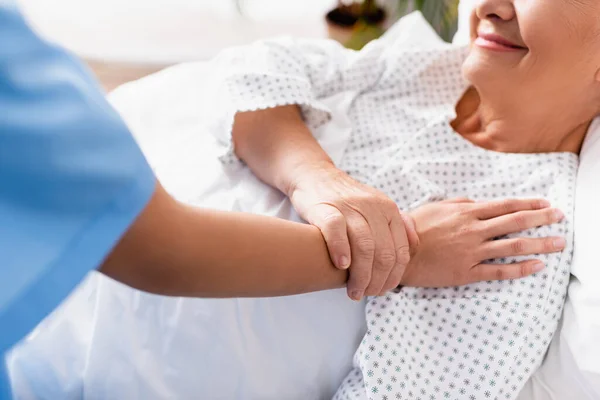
x=496 y=42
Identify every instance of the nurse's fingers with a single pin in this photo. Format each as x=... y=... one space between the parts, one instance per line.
x=497 y=208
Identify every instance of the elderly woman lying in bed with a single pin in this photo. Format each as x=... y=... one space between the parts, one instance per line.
x=423 y=124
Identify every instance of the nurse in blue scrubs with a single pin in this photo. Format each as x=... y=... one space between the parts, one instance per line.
x=71 y=178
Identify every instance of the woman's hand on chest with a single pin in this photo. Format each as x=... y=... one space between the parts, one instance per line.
x=456 y=237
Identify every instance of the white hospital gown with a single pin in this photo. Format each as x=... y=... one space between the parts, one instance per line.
x=480 y=341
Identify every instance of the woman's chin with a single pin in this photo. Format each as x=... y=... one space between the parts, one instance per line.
x=477 y=69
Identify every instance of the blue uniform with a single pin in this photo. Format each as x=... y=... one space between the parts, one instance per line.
x=72 y=178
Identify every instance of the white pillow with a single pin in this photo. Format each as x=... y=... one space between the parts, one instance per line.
x=582 y=314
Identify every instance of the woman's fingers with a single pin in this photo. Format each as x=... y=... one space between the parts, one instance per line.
x=521 y=247
x=497 y=208
x=393 y=279
x=390 y=243
x=520 y=221
x=410 y=228
x=406 y=241
x=362 y=245
x=499 y=272
x=332 y=224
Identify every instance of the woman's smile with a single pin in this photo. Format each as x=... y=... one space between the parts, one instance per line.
x=494 y=42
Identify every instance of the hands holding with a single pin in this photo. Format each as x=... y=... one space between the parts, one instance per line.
x=363 y=228
x=440 y=244
x=437 y=245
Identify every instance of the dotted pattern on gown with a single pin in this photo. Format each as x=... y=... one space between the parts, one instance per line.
x=481 y=341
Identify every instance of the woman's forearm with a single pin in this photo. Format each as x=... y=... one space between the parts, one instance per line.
x=176 y=250
x=277 y=145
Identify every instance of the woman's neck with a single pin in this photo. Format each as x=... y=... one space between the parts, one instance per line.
x=500 y=128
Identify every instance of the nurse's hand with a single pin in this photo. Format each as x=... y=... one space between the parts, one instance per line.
x=363 y=228
x=457 y=237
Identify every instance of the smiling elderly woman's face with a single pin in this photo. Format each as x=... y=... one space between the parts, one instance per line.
x=534 y=50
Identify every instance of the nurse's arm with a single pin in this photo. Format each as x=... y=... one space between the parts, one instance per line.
x=177 y=250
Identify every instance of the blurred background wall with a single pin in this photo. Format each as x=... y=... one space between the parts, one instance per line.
x=123 y=40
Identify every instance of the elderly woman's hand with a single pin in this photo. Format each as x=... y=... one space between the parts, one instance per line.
x=457 y=237
x=363 y=228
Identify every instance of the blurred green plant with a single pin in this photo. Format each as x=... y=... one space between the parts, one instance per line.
x=363 y=33
x=365 y=29
x=441 y=14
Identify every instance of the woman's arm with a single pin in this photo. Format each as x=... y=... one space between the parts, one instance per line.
x=278 y=146
x=176 y=250
x=362 y=227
